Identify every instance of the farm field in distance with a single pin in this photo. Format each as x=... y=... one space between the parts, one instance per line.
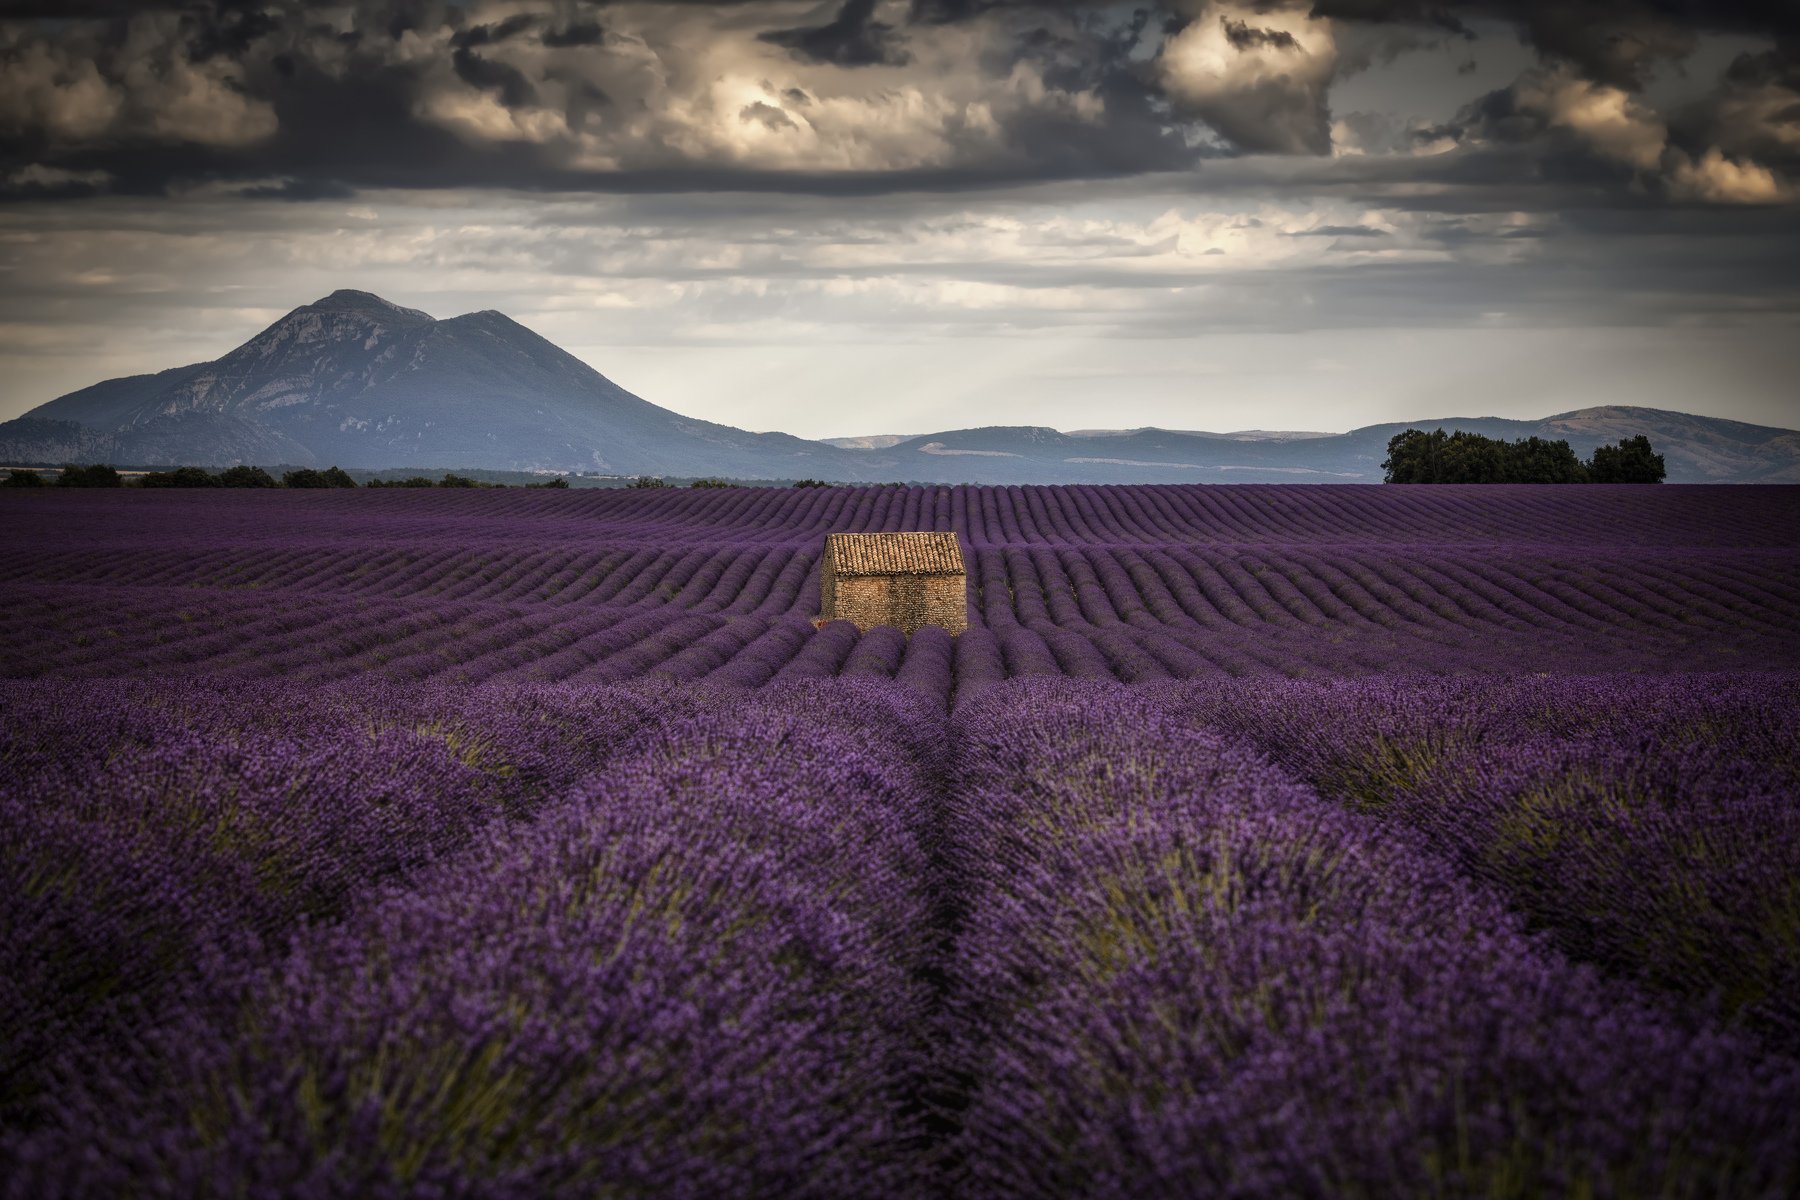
x=1257 y=841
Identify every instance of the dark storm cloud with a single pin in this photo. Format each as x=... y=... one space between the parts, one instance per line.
x=509 y=83
x=446 y=96
x=1755 y=113
x=580 y=33
x=231 y=33
x=500 y=31
x=295 y=99
x=853 y=39
x=1612 y=41
x=1245 y=36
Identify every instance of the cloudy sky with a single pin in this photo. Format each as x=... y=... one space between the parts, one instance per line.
x=857 y=216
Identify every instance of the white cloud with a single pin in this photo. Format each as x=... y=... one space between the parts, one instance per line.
x=1714 y=178
x=1256 y=74
x=79 y=91
x=683 y=88
x=1608 y=119
x=37 y=176
x=44 y=86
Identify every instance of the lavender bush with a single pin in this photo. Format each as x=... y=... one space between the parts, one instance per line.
x=493 y=843
x=1129 y=583
x=1183 y=973
x=1650 y=826
x=153 y=836
x=700 y=974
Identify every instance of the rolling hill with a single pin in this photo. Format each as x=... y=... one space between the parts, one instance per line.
x=356 y=381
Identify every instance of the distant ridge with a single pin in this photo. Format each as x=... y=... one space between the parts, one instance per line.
x=355 y=380
x=1241 y=435
x=358 y=381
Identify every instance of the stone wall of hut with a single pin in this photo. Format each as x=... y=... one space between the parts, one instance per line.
x=905 y=601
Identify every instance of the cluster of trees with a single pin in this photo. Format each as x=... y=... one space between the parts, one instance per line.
x=1438 y=457
x=101 y=475
x=246 y=477
x=98 y=475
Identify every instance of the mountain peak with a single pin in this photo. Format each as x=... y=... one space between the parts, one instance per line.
x=349 y=300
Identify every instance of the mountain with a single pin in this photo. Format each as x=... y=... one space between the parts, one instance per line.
x=354 y=380
x=870 y=441
x=1696 y=449
x=1242 y=435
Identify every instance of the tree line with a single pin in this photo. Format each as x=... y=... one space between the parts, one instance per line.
x=100 y=475
x=1438 y=457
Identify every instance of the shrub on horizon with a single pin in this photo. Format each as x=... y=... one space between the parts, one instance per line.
x=179 y=477
x=246 y=476
x=93 y=475
x=1631 y=461
x=1463 y=457
x=20 y=477
x=307 y=477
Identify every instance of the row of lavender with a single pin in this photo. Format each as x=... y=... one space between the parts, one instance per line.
x=1069 y=587
x=402 y=942
x=1646 y=824
x=827 y=939
x=1185 y=974
x=744 y=616
x=981 y=516
x=155 y=830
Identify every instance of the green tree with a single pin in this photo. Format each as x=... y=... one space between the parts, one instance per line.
x=647 y=481
x=457 y=481
x=1462 y=457
x=1633 y=460
x=95 y=475
x=243 y=476
x=1538 y=460
x=179 y=477
x=1471 y=458
x=19 y=477
x=1412 y=456
x=709 y=483
x=307 y=477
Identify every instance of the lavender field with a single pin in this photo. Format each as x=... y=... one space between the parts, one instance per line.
x=1252 y=842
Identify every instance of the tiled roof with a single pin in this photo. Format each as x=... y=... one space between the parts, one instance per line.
x=894 y=553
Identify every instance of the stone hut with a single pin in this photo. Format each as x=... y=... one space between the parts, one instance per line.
x=902 y=579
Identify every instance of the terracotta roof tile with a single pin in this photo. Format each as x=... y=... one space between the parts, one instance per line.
x=894 y=553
